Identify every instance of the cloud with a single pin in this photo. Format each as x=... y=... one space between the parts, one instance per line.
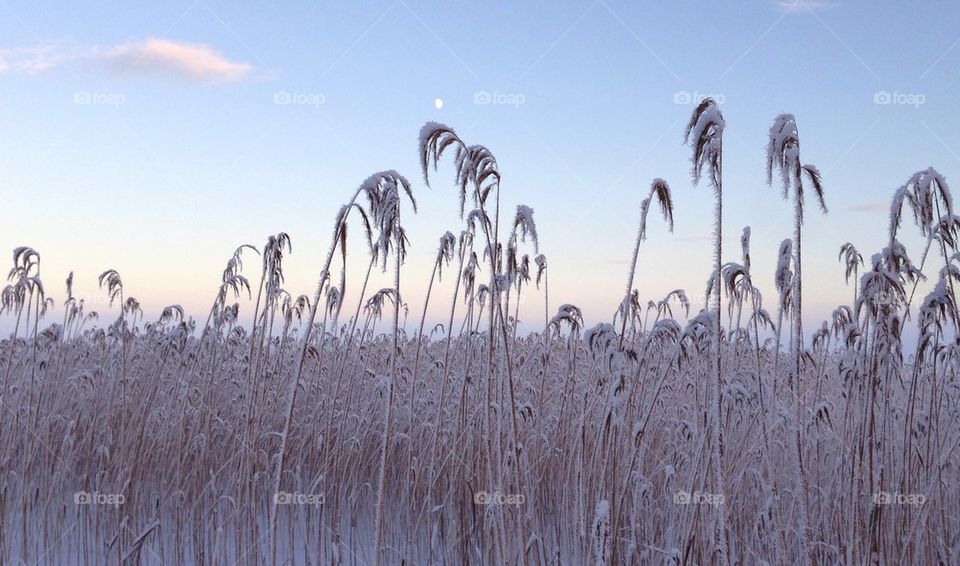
x=802 y=6
x=870 y=208
x=193 y=62
x=34 y=59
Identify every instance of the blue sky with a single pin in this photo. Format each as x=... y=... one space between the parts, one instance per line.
x=154 y=139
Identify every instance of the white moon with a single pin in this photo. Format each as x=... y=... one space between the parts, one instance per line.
x=438 y=103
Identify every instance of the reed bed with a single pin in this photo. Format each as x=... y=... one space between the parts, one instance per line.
x=326 y=433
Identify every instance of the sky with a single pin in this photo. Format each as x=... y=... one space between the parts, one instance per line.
x=155 y=138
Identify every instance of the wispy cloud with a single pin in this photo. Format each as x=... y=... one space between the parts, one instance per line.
x=35 y=58
x=802 y=6
x=870 y=208
x=193 y=62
